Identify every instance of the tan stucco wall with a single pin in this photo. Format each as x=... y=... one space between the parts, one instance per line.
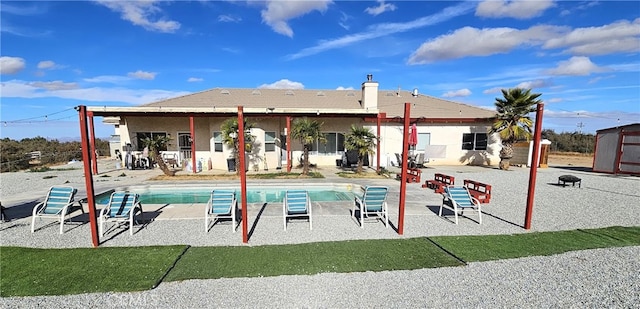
x=391 y=140
x=391 y=136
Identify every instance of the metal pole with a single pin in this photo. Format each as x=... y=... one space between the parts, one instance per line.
x=288 y=144
x=404 y=164
x=243 y=175
x=88 y=178
x=192 y=131
x=378 y=143
x=92 y=140
x=534 y=166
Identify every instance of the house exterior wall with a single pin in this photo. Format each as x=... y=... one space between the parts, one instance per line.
x=205 y=144
x=449 y=136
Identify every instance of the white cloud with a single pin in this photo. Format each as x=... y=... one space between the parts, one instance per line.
x=229 y=19
x=457 y=93
x=111 y=79
x=277 y=13
x=344 y=88
x=617 y=37
x=48 y=65
x=231 y=50
x=469 y=41
x=11 y=65
x=282 y=84
x=23 y=10
x=22 y=89
x=599 y=78
x=194 y=79
x=381 y=30
x=492 y=90
x=142 y=75
x=54 y=85
x=538 y=83
x=344 y=19
x=576 y=66
x=516 y=9
x=141 y=13
x=381 y=8
x=621 y=36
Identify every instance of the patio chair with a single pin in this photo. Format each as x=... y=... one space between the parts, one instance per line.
x=373 y=202
x=460 y=200
x=222 y=204
x=122 y=208
x=296 y=203
x=57 y=205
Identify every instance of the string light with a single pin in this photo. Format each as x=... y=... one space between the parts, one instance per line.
x=33 y=119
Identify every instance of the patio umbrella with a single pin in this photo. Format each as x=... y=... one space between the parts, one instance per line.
x=413 y=135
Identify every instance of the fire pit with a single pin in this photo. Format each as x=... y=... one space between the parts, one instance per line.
x=564 y=179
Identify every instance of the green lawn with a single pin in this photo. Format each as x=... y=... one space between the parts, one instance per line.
x=496 y=247
x=29 y=271
x=310 y=258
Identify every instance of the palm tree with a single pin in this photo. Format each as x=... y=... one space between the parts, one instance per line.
x=229 y=131
x=155 y=145
x=512 y=120
x=308 y=132
x=362 y=140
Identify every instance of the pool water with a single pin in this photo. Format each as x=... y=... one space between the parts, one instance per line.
x=190 y=196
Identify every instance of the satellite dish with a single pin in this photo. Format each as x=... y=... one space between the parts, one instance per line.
x=415 y=92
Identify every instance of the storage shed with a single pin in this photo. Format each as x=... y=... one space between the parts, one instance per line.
x=617 y=150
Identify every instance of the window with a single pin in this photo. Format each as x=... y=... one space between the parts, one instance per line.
x=217 y=141
x=474 y=141
x=140 y=136
x=424 y=139
x=333 y=146
x=269 y=141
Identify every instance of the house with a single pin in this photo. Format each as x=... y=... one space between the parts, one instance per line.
x=449 y=133
x=617 y=150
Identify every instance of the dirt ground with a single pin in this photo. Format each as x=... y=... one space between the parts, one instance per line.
x=566 y=159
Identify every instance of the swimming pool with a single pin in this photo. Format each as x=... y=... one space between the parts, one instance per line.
x=262 y=194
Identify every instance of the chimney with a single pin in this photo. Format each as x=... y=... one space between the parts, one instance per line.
x=370 y=94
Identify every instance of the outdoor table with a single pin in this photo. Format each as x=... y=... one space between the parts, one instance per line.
x=569 y=179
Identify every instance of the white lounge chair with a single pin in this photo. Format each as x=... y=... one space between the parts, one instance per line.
x=57 y=205
x=372 y=203
x=122 y=207
x=296 y=203
x=460 y=200
x=222 y=204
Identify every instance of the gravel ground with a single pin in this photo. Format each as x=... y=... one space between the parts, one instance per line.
x=590 y=278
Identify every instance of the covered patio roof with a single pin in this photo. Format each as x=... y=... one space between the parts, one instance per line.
x=160 y=111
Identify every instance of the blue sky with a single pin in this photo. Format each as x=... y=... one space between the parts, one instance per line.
x=583 y=56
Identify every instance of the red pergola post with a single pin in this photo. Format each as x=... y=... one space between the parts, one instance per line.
x=92 y=140
x=288 y=144
x=243 y=175
x=535 y=160
x=88 y=177
x=192 y=132
x=379 y=119
x=404 y=164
